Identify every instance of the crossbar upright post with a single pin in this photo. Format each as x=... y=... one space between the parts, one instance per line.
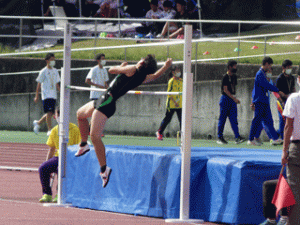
x=186 y=132
x=64 y=115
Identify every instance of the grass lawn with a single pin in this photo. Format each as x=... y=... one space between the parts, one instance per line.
x=41 y=138
x=216 y=49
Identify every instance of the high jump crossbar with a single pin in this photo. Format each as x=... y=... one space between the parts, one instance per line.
x=129 y=92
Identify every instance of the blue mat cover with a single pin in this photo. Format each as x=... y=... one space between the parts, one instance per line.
x=226 y=184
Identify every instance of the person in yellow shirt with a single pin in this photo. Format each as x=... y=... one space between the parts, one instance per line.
x=51 y=164
x=174 y=102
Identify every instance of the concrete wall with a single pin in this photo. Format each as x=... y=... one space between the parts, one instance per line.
x=142 y=114
x=136 y=114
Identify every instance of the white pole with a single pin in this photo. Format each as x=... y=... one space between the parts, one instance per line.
x=200 y=17
x=80 y=9
x=186 y=132
x=64 y=115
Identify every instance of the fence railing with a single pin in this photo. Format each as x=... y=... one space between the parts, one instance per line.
x=238 y=39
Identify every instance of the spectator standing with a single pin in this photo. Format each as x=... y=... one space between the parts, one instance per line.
x=261 y=102
x=48 y=81
x=228 y=104
x=262 y=126
x=286 y=84
x=98 y=76
x=291 y=150
x=174 y=102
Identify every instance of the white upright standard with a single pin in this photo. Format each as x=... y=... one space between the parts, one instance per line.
x=186 y=132
x=64 y=116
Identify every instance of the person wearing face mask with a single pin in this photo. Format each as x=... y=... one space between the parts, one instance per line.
x=286 y=84
x=128 y=78
x=260 y=99
x=48 y=81
x=51 y=164
x=228 y=104
x=174 y=102
x=97 y=77
x=252 y=106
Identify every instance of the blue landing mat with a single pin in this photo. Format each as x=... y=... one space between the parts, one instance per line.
x=226 y=184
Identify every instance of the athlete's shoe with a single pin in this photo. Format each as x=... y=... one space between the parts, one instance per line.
x=282 y=222
x=279 y=141
x=221 y=141
x=36 y=127
x=258 y=140
x=239 y=140
x=46 y=198
x=55 y=199
x=159 y=136
x=82 y=150
x=253 y=142
x=48 y=132
x=105 y=176
x=267 y=222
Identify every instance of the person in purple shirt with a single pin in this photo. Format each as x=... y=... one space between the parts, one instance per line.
x=260 y=96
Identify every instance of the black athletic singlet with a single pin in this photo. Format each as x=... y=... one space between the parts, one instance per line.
x=122 y=83
x=117 y=88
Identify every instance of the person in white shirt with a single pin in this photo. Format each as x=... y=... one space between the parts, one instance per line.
x=291 y=150
x=169 y=12
x=151 y=27
x=97 y=77
x=47 y=81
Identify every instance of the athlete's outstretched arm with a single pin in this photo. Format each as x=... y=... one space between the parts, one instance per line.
x=158 y=73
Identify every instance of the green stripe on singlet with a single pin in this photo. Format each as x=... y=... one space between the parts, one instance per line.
x=109 y=100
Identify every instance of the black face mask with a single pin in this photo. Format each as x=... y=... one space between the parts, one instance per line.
x=233 y=70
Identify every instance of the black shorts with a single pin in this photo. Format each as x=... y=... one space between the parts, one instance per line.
x=49 y=105
x=105 y=104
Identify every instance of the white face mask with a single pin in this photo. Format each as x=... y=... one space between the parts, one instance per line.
x=288 y=71
x=52 y=63
x=269 y=75
x=298 y=82
x=103 y=62
x=57 y=119
x=178 y=74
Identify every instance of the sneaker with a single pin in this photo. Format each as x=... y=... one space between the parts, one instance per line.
x=258 y=140
x=222 y=141
x=239 y=140
x=159 y=36
x=105 y=176
x=82 y=150
x=49 y=132
x=36 y=127
x=279 y=141
x=159 y=136
x=267 y=222
x=150 y=35
x=55 y=199
x=46 y=198
x=282 y=222
x=253 y=142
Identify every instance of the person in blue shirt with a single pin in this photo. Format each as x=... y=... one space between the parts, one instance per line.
x=262 y=126
x=260 y=96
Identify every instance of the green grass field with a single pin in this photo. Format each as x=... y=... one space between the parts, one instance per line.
x=216 y=49
x=41 y=138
